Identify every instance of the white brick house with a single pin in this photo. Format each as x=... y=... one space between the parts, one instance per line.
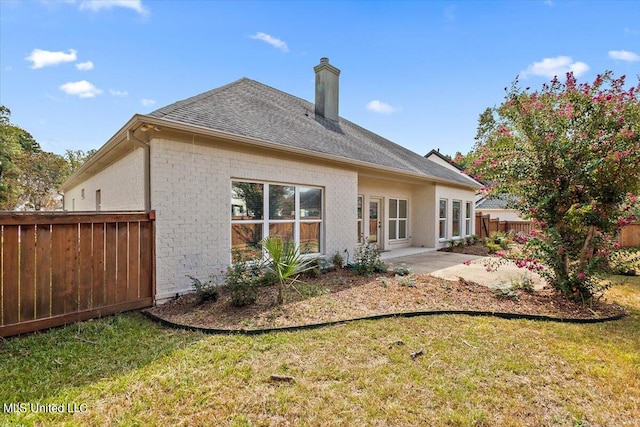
x=230 y=166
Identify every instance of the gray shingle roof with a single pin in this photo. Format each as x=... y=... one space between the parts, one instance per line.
x=252 y=109
x=504 y=201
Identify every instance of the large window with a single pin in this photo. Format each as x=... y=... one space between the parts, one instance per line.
x=467 y=219
x=397 y=219
x=259 y=210
x=457 y=218
x=442 y=219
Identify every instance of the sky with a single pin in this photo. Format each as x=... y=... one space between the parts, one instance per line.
x=418 y=73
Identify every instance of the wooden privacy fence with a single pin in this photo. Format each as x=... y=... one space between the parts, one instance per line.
x=485 y=225
x=630 y=235
x=59 y=268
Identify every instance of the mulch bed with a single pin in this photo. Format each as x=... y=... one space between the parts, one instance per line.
x=343 y=295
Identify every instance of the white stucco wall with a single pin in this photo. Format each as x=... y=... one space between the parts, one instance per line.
x=191 y=194
x=451 y=194
x=424 y=213
x=121 y=187
x=384 y=190
x=423 y=209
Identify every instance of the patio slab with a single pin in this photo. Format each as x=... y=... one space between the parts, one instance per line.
x=450 y=266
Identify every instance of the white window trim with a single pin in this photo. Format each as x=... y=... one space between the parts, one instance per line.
x=443 y=219
x=397 y=220
x=266 y=221
x=460 y=234
x=360 y=221
x=468 y=224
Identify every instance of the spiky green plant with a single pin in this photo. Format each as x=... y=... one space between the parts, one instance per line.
x=285 y=262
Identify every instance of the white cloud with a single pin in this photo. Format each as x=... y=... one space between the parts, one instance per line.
x=558 y=66
x=44 y=58
x=624 y=55
x=84 y=66
x=98 y=5
x=83 y=89
x=147 y=102
x=275 y=42
x=381 y=107
x=114 y=92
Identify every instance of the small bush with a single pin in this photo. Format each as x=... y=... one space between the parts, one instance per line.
x=243 y=278
x=402 y=270
x=625 y=261
x=408 y=281
x=524 y=284
x=504 y=291
x=367 y=259
x=500 y=239
x=493 y=248
x=337 y=260
x=206 y=291
x=380 y=267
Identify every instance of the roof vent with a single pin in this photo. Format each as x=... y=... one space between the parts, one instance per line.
x=327 y=82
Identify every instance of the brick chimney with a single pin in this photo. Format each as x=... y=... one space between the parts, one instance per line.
x=327 y=79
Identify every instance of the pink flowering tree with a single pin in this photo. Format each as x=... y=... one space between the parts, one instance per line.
x=570 y=153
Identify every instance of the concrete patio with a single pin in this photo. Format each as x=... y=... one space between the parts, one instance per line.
x=450 y=266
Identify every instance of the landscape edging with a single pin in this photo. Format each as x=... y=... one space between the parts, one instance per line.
x=501 y=315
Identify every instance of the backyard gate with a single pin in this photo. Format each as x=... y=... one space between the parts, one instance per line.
x=58 y=268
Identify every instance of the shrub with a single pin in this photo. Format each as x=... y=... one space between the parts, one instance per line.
x=493 y=248
x=337 y=260
x=243 y=279
x=525 y=284
x=408 y=281
x=625 y=261
x=402 y=270
x=367 y=259
x=206 y=291
x=501 y=290
x=471 y=240
x=380 y=267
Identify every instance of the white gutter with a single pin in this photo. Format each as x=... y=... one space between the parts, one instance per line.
x=126 y=134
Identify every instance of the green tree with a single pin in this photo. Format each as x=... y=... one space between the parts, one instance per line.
x=29 y=176
x=486 y=126
x=76 y=158
x=14 y=142
x=41 y=173
x=570 y=153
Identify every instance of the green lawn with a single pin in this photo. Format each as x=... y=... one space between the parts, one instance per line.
x=475 y=371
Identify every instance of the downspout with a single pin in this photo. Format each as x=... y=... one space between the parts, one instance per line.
x=146 y=164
